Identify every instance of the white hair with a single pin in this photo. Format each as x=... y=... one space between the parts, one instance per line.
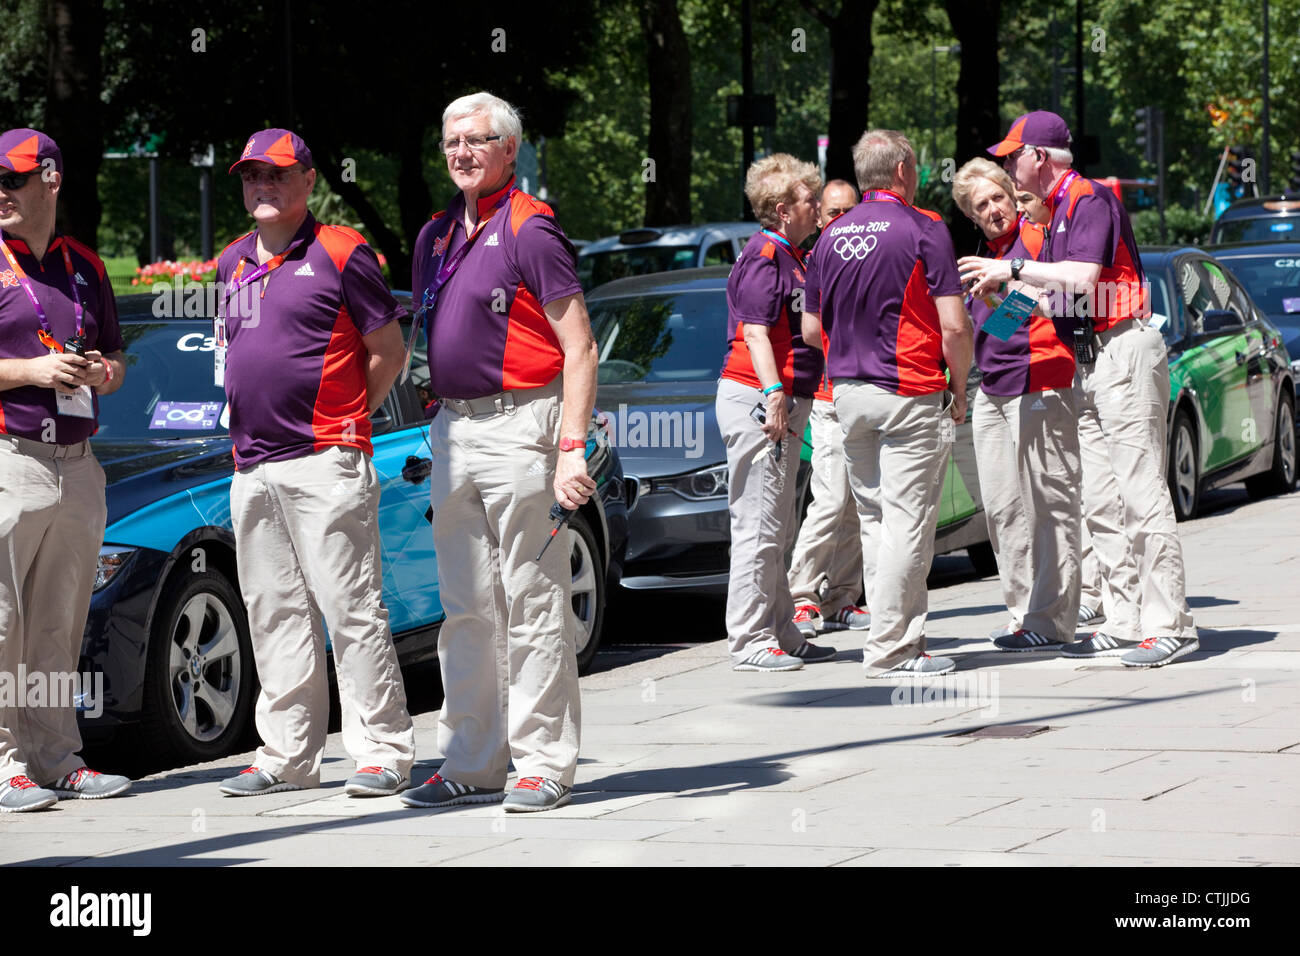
x=1062 y=157
x=503 y=117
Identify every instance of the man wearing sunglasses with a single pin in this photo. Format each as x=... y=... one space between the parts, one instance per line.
x=512 y=356
x=60 y=349
x=1123 y=391
x=313 y=347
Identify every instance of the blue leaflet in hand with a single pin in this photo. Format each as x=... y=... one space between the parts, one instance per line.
x=1010 y=315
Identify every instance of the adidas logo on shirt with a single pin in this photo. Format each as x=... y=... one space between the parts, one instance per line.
x=493 y=240
x=1061 y=227
x=304 y=270
x=80 y=279
x=535 y=469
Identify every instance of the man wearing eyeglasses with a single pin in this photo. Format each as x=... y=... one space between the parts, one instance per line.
x=1123 y=391
x=512 y=356
x=60 y=348
x=311 y=347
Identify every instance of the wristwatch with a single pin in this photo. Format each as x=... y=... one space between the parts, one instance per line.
x=569 y=444
x=1016 y=265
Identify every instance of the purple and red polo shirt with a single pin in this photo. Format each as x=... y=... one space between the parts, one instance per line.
x=1090 y=225
x=488 y=331
x=296 y=367
x=873 y=277
x=1039 y=355
x=24 y=411
x=766 y=287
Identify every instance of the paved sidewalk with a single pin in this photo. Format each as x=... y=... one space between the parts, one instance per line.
x=687 y=763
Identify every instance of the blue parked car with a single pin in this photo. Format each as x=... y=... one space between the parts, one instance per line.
x=167 y=629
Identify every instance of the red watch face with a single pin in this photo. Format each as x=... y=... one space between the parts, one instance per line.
x=568 y=444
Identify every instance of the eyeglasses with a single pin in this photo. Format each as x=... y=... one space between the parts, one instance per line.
x=475 y=143
x=277 y=177
x=13 y=181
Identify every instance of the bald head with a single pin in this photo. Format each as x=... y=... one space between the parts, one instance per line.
x=838 y=197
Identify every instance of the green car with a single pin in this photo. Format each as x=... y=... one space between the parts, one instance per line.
x=1231 y=390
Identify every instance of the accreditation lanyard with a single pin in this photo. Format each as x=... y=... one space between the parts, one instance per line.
x=45 y=333
x=882 y=195
x=237 y=283
x=789 y=247
x=1064 y=188
x=443 y=269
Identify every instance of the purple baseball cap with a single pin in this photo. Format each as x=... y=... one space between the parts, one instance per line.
x=25 y=150
x=279 y=147
x=1039 y=128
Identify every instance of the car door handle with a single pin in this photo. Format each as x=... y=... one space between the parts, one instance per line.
x=417 y=469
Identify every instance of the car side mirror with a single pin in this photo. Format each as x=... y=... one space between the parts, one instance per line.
x=1221 y=321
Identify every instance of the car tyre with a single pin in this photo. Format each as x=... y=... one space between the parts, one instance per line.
x=200 y=679
x=1184 y=467
x=586 y=590
x=986 y=562
x=1280 y=478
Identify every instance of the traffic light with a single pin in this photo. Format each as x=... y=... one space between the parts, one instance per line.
x=1236 y=160
x=1294 y=184
x=1145 y=127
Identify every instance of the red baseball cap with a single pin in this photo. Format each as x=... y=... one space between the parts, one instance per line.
x=25 y=150
x=279 y=147
x=1038 y=128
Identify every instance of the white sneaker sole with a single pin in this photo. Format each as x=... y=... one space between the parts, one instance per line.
x=796 y=666
x=281 y=787
x=361 y=790
x=44 y=804
x=1030 y=650
x=521 y=808
x=1181 y=652
x=77 y=795
x=463 y=800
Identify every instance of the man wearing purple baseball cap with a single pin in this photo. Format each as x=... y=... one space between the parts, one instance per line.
x=60 y=349
x=1093 y=273
x=308 y=347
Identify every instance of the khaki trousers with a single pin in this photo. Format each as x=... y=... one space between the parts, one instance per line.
x=1123 y=408
x=761 y=500
x=508 y=645
x=826 y=569
x=51 y=526
x=897 y=451
x=307 y=542
x=1027 y=456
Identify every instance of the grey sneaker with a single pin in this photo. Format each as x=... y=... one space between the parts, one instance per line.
x=438 y=791
x=808 y=619
x=375 y=782
x=1098 y=645
x=1159 y=651
x=850 y=618
x=1005 y=631
x=254 y=782
x=531 y=794
x=86 y=784
x=922 y=665
x=1089 y=616
x=811 y=653
x=19 y=794
x=769 y=659
x=1023 y=640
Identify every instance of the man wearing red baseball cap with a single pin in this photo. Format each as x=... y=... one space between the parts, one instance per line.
x=312 y=346
x=60 y=349
x=1092 y=269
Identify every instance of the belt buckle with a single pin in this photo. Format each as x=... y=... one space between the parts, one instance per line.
x=505 y=403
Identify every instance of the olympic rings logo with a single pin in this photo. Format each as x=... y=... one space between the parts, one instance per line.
x=854 y=247
x=184 y=414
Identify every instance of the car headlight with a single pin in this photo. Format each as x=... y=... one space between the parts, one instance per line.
x=1295 y=366
x=112 y=558
x=698 y=485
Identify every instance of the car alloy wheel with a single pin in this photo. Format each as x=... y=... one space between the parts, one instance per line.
x=1281 y=476
x=586 y=590
x=1184 y=477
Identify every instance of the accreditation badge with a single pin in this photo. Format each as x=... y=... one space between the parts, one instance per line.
x=77 y=405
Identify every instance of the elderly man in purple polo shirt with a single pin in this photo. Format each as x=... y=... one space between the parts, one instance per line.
x=513 y=360
x=60 y=348
x=314 y=346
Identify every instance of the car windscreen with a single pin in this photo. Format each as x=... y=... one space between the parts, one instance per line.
x=597 y=268
x=670 y=337
x=1273 y=281
x=169 y=391
x=1258 y=229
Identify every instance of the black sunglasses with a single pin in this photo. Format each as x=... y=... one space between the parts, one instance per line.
x=12 y=181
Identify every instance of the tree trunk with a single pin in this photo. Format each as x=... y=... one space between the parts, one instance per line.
x=668 y=60
x=851 y=49
x=975 y=22
x=72 y=113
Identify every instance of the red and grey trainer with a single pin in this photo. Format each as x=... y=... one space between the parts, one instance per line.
x=1098 y=644
x=87 y=784
x=769 y=659
x=850 y=617
x=375 y=782
x=254 y=782
x=532 y=794
x=1023 y=640
x=1159 y=651
x=438 y=791
x=19 y=794
x=808 y=618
